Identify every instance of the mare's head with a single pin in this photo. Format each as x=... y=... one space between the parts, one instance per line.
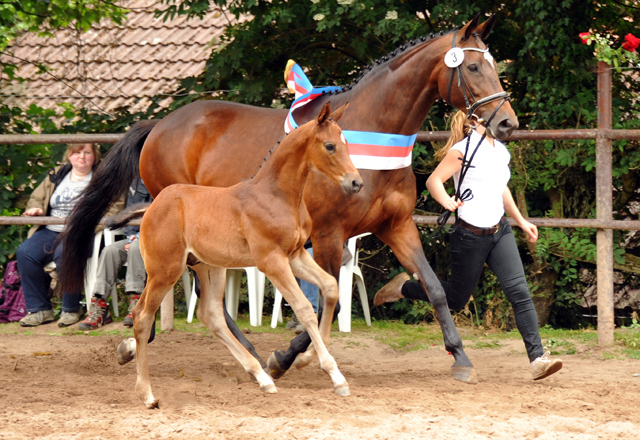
x=468 y=78
x=328 y=152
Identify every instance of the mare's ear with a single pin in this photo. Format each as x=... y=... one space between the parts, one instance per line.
x=335 y=116
x=485 y=28
x=324 y=113
x=470 y=27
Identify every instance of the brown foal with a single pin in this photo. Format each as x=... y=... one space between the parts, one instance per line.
x=262 y=222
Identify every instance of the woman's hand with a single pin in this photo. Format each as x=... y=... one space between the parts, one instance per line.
x=452 y=203
x=126 y=246
x=33 y=212
x=530 y=229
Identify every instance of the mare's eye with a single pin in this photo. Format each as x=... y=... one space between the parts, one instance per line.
x=473 y=67
x=330 y=146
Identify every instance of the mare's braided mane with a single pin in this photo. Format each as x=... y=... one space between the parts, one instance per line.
x=391 y=55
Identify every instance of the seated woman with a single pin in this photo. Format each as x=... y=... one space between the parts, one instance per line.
x=56 y=196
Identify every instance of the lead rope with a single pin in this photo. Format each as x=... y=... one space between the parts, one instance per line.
x=467 y=194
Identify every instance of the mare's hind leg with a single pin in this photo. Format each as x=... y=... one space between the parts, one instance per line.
x=405 y=243
x=211 y=313
x=279 y=272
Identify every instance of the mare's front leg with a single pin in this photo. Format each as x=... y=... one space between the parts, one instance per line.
x=211 y=313
x=279 y=272
x=404 y=241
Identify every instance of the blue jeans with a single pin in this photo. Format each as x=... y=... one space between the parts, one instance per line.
x=469 y=253
x=33 y=255
x=311 y=291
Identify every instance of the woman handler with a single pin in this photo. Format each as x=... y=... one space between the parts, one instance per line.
x=482 y=234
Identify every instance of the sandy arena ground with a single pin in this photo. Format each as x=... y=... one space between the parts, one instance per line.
x=58 y=385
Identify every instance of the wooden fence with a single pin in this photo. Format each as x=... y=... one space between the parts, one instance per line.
x=603 y=223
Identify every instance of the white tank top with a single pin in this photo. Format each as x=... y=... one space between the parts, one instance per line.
x=487 y=178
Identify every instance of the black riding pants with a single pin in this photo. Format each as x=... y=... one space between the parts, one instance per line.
x=469 y=253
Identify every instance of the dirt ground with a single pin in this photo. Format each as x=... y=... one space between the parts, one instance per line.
x=60 y=385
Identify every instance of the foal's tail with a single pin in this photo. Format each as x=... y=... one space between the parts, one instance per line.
x=122 y=218
x=110 y=181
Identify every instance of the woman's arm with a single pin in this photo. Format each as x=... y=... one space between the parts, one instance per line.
x=450 y=165
x=37 y=205
x=510 y=207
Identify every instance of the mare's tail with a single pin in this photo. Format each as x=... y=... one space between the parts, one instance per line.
x=110 y=181
x=122 y=218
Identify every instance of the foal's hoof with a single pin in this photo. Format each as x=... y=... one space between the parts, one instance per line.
x=126 y=352
x=342 y=390
x=274 y=370
x=465 y=374
x=269 y=388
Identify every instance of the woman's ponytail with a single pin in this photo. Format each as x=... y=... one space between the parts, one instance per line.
x=459 y=129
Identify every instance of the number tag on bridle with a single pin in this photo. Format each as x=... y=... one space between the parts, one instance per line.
x=454 y=57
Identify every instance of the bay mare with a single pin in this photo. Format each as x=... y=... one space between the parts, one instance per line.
x=218 y=143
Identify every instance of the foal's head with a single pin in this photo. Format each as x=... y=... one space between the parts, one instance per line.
x=328 y=152
x=469 y=78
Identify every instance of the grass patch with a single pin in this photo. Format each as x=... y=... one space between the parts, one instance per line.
x=395 y=334
x=487 y=344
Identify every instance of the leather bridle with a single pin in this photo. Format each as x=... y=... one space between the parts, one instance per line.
x=466 y=90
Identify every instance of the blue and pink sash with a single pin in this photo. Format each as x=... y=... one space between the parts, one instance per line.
x=368 y=150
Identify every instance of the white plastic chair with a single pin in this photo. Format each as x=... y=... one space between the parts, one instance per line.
x=255 y=287
x=345 y=288
x=110 y=238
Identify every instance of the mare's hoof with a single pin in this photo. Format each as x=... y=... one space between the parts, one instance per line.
x=274 y=370
x=269 y=388
x=342 y=390
x=465 y=374
x=126 y=352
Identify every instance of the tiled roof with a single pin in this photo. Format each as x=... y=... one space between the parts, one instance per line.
x=112 y=65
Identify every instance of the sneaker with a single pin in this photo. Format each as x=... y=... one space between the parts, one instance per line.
x=69 y=318
x=36 y=318
x=98 y=315
x=128 y=320
x=298 y=329
x=545 y=366
x=392 y=291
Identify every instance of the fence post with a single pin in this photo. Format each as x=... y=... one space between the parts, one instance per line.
x=604 y=206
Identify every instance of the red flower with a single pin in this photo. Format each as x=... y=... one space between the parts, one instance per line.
x=630 y=43
x=584 y=36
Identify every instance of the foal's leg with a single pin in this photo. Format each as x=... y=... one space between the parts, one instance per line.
x=143 y=319
x=281 y=276
x=327 y=254
x=211 y=313
x=233 y=327
x=304 y=267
